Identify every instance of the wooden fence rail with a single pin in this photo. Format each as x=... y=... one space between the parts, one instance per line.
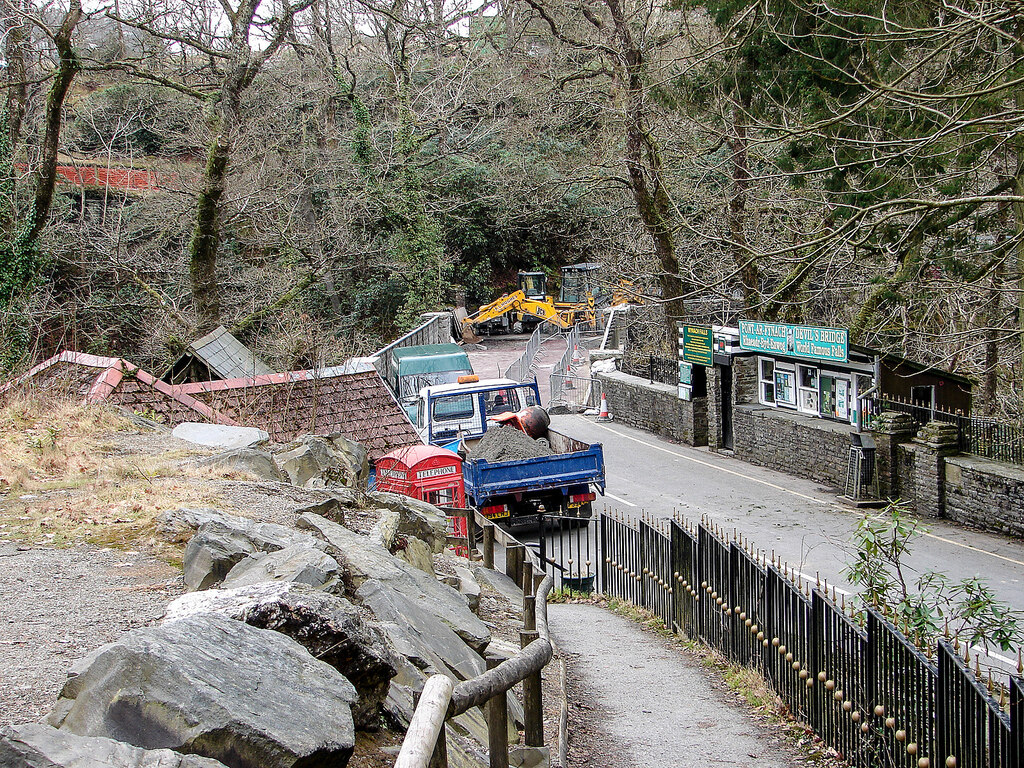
x=425 y=744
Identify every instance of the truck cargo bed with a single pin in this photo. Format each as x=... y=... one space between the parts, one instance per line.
x=574 y=463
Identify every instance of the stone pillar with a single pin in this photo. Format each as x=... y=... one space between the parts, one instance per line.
x=889 y=430
x=937 y=440
x=744 y=380
x=715 y=406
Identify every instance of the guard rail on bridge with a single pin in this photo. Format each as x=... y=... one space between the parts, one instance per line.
x=425 y=741
x=875 y=695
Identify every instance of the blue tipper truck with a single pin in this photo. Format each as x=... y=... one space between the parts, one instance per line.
x=566 y=483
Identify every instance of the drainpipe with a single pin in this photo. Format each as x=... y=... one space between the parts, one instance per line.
x=877 y=366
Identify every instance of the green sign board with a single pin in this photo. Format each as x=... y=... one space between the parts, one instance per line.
x=696 y=345
x=805 y=341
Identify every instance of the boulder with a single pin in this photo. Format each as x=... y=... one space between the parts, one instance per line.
x=418 y=634
x=498 y=582
x=329 y=627
x=219 y=435
x=298 y=563
x=35 y=745
x=215 y=687
x=469 y=587
x=362 y=559
x=257 y=463
x=221 y=543
x=315 y=461
x=182 y=523
x=353 y=458
x=404 y=516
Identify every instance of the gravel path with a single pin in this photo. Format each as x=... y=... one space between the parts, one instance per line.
x=644 y=703
x=58 y=605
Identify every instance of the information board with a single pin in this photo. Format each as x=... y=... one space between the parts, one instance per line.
x=805 y=341
x=696 y=345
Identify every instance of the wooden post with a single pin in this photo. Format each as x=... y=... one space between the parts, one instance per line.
x=533 y=712
x=529 y=612
x=527 y=582
x=425 y=738
x=489 y=545
x=471 y=533
x=440 y=757
x=497 y=722
x=514 y=563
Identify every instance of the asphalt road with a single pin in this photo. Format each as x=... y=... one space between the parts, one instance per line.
x=802 y=522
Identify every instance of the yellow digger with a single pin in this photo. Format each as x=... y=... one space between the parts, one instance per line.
x=531 y=304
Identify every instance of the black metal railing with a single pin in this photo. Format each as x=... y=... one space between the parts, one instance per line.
x=983 y=437
x=866 y=689
x=653 y=368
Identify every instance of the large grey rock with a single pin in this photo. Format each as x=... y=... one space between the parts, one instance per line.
x=298 y=563
x=353 y=458
x=40 y=746
x=216 y=687
x=181 y=524
x=314 y=461
x=469 y=587
x=221 y=543
x=362 y=559
x=404 y=516
x=258 y=463
x=219 y=435
x=498 y=582
x=329 y=627
x=418 y=634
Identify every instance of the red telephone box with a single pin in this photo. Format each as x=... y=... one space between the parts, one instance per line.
x=425 y=472
x=428 y=473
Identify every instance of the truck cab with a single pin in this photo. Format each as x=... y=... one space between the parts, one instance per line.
x=446 y=413
x=413 y=368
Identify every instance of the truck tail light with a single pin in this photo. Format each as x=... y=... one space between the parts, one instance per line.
x=582 y=498
x=497 y=510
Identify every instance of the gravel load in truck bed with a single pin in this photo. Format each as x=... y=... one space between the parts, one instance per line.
x=508 y=444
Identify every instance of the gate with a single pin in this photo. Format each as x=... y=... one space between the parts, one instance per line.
x=568 y=550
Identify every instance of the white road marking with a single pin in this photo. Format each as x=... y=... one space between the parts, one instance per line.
x=618 y=499
x=795 y=493
x=709 y=464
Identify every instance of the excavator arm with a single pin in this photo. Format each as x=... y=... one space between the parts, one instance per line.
x=517 y=302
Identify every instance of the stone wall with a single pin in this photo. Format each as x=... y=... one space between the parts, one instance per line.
x=985 y=494
x=714 y=405
x=655 y=407
x=744 y=380
x=790 y=442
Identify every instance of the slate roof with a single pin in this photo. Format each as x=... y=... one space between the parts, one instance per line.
x=351 y=399
x=225 y=356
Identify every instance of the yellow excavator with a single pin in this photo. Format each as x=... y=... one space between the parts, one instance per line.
x=531 y=304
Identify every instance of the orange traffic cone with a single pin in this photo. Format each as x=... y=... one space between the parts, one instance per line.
x=576 y=356
x=604 y=415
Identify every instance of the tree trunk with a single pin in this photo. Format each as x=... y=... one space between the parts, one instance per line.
x=745 y=260
x=202 y=263
x=19 y=257
x=643 y=163
x=17 y=79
